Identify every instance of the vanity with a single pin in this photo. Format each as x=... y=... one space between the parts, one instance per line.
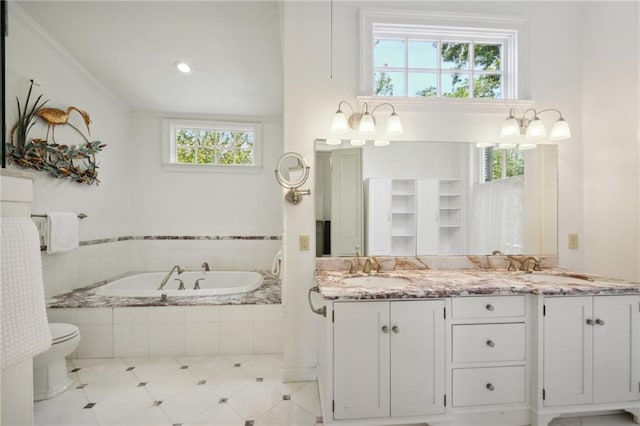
x=463 y=341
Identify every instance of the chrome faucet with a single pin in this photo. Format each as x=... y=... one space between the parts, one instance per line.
x=497 y=253
x=370 y=263
x=178 y=268
x=528 y=267
x=205 y=266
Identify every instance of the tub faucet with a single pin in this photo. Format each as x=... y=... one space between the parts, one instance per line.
x=205 y=266
x=178 y=268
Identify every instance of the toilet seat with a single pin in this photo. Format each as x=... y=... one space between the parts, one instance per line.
x=62 y=332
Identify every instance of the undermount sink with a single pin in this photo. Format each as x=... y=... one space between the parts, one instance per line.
x=376 y=281
x=558 y=279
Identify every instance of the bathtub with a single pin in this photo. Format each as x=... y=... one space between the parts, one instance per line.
x=212 y=283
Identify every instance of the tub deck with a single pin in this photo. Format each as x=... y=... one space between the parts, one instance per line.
x=269 y=293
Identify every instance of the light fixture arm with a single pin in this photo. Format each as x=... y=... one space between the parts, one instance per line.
x=346 y=103
x=551 y=109
x=393 y=109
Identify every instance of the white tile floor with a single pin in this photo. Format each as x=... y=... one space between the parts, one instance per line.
x=240 y=390
x=217 y=390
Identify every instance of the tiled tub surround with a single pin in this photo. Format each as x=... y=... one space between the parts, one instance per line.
x=91 y=263
x=249 y=323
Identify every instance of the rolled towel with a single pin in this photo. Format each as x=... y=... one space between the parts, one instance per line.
x=25 y=329
x=63 y=232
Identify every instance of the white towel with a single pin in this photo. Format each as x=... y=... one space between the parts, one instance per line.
x=25 y=329
x=63 y=232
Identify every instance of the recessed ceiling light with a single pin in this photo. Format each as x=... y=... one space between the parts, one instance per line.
x=184 y=68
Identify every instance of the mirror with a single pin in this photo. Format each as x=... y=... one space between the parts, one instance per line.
x=292 y=171
x=432 y=198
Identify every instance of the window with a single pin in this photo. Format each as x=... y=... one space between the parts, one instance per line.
x=440 y=55
x=496 y=163
x=212 y=144
x=422 y=67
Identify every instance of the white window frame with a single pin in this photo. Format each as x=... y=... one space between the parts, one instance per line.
x=511 y=32
x=170 y=162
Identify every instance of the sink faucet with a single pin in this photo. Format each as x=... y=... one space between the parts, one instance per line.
x=180 y=270
x=497 y=253
x=370 y=263
x=205 y=266
x=528 y=267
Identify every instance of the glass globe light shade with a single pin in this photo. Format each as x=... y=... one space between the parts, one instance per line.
x=394 y=125
x=560 y=130
x=535 y=129
x=367 y=126
x=339 y=123
x=510 y=128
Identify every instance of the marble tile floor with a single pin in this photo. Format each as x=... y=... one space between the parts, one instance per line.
x=240 y=390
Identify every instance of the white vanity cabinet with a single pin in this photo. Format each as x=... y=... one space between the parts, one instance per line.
x=591 y=350
x=489 y=351
x=388 y=359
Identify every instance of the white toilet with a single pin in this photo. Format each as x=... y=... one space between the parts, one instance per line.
x=50 y=368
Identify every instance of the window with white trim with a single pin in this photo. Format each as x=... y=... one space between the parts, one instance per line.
x=437 y=55
x=213 y=144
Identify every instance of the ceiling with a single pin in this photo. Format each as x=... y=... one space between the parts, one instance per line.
x=131 y=47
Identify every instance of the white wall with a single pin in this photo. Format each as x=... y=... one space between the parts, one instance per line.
x=311 y=97
x=31 y=54
x=194 y=203
x=610 y=128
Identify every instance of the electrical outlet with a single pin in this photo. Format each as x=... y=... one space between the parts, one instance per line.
x=304 y=242
x=573 y=241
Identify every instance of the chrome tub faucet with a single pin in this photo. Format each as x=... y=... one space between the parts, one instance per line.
x=178 y=268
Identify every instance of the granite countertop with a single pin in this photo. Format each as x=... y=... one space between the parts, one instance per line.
x=269 y=293
x=433 y=283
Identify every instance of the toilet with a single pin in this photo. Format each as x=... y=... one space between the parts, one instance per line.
x=50 y=376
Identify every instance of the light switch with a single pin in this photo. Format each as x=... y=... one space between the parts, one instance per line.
x=573 y=241
x=304 y=242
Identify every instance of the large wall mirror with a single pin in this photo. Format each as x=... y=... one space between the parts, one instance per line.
x=432 y=198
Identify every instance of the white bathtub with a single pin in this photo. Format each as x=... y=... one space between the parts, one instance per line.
x=212 y=283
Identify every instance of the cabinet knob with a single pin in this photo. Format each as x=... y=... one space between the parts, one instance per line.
x=490 y=343
x=599 y=321
x=395 y=329
x=385 y=329
x=490 y=387
x=589 y=321
x=490 y=307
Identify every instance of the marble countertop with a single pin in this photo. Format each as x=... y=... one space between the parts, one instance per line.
x=269 y=293
x=434 y=283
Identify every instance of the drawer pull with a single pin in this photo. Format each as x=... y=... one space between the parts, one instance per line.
x=490 y=387
x=395 y=329
x=589 y=321
x=490 y=307
x=490 y=343
x=385 y=329
x=599 y=321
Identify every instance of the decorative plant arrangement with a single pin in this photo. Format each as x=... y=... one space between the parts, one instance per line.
x=76 y=162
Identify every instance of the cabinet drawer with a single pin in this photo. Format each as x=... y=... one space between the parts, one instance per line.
x=488 y=342
x=483 y=386
x=488 y=307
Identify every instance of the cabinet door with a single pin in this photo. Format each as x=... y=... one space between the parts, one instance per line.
x=427 y=217
x=346 y=202
x=615 y=348
x=567 y=350
x=361 y=360
x=417 y=358
x=378 y=217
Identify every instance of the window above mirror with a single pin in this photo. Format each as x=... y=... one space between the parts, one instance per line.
x=432 y=56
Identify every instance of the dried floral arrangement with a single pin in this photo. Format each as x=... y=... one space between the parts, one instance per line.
x=75 y=162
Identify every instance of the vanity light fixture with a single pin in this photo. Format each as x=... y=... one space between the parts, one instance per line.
x=533 y=128
x=184 y=67
x=364 y=121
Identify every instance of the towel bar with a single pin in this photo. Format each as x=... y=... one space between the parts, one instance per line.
x=80 y=215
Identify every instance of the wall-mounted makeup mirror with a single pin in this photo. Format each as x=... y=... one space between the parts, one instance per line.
x=292 y=171
x=432 y=198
